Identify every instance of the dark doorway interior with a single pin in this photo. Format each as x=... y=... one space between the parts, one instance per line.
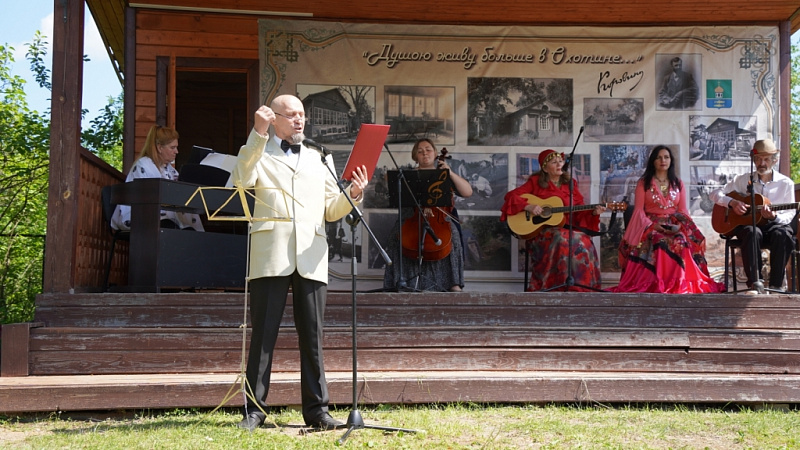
x=210 y=111
x=214 y=102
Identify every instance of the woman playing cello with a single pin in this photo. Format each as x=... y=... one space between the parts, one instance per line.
x=441 y=266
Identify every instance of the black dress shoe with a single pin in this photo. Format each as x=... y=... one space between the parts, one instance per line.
x=325 y=422
x=252 y=421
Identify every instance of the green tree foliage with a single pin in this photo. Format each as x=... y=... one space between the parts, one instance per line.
x=24 y=162
x=24 y=158
x=104 y=138
x=37 y=51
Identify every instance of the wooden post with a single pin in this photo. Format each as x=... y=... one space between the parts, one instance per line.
x=65 y=140
x=784 y=96
x=14 y=351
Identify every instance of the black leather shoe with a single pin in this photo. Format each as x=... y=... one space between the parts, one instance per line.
x=325 y=422
x=252 y=421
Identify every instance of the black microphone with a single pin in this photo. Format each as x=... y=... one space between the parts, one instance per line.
x=433 y=236
x=310 y=143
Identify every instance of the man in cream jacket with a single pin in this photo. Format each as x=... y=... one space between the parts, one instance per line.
x=291 y=182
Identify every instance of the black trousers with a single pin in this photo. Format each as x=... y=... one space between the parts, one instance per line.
x=267 y=301
x=778 y=238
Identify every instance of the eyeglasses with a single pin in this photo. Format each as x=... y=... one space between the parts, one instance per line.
x=296 y=117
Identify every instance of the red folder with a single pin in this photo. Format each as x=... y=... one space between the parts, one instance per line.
x=367 y=149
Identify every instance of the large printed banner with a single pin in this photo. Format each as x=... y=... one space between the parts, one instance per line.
x=494 y=97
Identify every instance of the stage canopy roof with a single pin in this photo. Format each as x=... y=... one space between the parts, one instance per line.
x=109 y=14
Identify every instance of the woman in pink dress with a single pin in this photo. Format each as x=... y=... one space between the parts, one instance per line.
x=662 y=249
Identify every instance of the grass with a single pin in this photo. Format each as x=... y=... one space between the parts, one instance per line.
x=458 y=426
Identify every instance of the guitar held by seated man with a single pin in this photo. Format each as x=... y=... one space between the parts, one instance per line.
x=724 y=220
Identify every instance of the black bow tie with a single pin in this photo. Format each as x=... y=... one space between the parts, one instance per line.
x=285 y=145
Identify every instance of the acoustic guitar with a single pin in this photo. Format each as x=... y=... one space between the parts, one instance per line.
x=724 y=220
x=525 y=225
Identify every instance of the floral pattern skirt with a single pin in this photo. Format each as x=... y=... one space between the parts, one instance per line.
x=549 y=256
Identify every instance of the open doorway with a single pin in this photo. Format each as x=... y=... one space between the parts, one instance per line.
x=214 y=102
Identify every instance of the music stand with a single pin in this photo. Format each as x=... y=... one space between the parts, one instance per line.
x=244 y=197
x=427 y=188
x=570 y=281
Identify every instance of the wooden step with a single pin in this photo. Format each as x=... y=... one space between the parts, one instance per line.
x=65 y=351
x=492 y=347
x=575 y=310
x=98 y=392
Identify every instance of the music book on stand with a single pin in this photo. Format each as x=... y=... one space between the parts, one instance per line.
x=366 y=150
x=430 y=187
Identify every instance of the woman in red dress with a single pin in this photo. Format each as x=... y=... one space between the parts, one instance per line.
x=549 y=249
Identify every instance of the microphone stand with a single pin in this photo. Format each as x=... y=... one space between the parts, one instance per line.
x=758 y=285
x=354 y=419
x=570 y=281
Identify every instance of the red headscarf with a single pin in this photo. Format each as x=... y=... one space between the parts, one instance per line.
x=546 y=156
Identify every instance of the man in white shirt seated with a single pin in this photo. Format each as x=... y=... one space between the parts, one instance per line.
x=774 y=230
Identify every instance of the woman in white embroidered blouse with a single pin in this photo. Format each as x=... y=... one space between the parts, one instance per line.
x=158 y=154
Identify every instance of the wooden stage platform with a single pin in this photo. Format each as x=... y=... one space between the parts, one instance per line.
x=132 y=351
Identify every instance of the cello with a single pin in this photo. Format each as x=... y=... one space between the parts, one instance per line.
x=413 y=227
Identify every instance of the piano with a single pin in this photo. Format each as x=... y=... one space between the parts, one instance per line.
x=170 y=259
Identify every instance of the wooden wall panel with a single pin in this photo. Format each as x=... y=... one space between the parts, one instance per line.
x=197 y=41
x=151 y=51
x=180 y=35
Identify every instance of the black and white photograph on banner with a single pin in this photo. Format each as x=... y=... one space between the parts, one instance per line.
x=505 y=111
x=528 y=164
x=705 y=179
x=620 y=169
x=715 y=248
x=721 y=138
x=613 y=119
x=381 y=224
x=340 y=242
x=610 y=241
x=334 y=114
x=677 y=87
x=487 y=243
x=487 y=173
x=377 y=194
x=416 y=112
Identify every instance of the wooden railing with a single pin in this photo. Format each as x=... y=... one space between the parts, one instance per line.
x=94 y=239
